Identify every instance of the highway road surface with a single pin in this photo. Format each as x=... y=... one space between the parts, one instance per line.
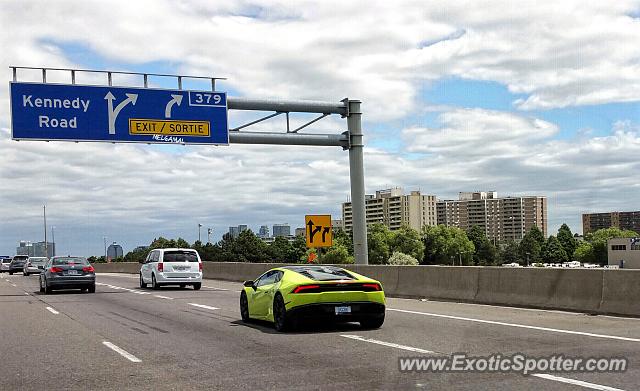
x=123 y=337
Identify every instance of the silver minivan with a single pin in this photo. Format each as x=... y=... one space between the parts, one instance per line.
x=171 y=266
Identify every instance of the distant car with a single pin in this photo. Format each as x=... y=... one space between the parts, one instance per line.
x=34 y=265
x=4 y=264
x=68 y=273
x=171 y=266
x=17 y=264
x=287 y=294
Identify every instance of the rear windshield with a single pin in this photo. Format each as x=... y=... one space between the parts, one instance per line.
x=322 y=273
x=20 y=258
x=36 y=260
x=6 y=260
x=69 y=261
x=180 y=256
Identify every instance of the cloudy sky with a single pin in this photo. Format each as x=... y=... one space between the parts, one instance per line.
x=524 y=98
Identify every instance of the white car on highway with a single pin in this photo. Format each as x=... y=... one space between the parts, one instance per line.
x=171 y=266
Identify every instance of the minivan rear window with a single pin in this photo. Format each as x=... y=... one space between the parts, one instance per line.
x=180 y=256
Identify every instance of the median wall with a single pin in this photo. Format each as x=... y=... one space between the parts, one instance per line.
x=587 y=290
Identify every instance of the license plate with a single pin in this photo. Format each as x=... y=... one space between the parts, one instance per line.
x=344 y=309
x=181 y=268
x=72 y=272
x=41 y=267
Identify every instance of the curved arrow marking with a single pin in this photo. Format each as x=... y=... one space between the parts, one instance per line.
x=113 y=113
x=177 y=99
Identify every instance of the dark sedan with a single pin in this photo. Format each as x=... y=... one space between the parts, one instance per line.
x=17 y=264
x=68 y=273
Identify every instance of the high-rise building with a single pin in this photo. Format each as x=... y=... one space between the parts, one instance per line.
x=35 y=249
x=394 y=209
x=263 y=232
x=234 y=232
x=508 y=218
x=281 y=230
x=114 y=251
x=592 y=222
x=300 y=231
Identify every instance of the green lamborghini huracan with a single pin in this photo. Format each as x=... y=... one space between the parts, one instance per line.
x=289 y=294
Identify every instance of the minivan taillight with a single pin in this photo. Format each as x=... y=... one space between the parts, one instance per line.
x=88 y=269
x=200 y=266
x=55 y=269
x=160 y=266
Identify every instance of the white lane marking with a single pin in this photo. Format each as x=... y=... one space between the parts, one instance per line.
x=121 y=352
x=585 y=384
x=519 y=325
x=204 y=306
x=13 y=285
x=213 y=287
x=26 y=293
x=163 y=297
x=52 y=311
x=136 y=291
x=389 y=344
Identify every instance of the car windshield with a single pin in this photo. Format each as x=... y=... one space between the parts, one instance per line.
x=323 y=273
x=69 y=261
x=180 y=256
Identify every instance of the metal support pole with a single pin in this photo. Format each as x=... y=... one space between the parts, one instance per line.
x=356 y=173
x=44 y=214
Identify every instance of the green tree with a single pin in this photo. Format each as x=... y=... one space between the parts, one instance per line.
x=298 y=250
x=398 y=258
x=510 y=253
x=378 y=238
x=553 y=252
x=407 y=240
x=342 y=238
x=599 y=239
x=249 y=248
x=567 y=240
x=485 y=252
x=446 y=245
x=584 y=253
x=280 y=249
x=337 y=254
x=531 y=244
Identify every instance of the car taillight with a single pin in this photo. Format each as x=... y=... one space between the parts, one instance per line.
x=160 y=266
x=303 y=288
x=200 y=266
x=28 y=263
x=373 y=287
x=55 y=269
x=88 y=269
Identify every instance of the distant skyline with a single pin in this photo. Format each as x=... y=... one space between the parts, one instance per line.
x=524 y=98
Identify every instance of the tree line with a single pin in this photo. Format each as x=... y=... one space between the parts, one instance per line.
x=433 y=245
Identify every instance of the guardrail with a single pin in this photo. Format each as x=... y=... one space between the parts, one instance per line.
x=598 y=291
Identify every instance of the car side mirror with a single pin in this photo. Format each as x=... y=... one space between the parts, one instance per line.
x=249 y=284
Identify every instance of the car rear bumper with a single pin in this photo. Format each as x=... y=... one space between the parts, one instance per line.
x=16 y=269
x=34 y=270
x=71 y=282
x=173 y=278
x=327 y=311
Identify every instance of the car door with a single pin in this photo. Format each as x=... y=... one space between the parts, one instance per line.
x=263 y=296
x=147 y=268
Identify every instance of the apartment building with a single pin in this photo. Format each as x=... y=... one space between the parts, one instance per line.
x=394 y=209
x=592 y=222
x=507 y=218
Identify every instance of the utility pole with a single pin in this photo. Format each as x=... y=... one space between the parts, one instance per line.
x=44 y=214
x=53 y=240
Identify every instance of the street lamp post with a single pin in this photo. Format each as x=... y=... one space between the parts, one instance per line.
x=53 y=240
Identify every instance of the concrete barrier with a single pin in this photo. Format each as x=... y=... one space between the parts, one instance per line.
x=585 y=290
x=621 y=292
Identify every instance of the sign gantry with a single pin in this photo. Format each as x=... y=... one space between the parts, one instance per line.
x=72 y=112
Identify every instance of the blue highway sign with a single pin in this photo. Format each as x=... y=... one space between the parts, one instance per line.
x=117 y=114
